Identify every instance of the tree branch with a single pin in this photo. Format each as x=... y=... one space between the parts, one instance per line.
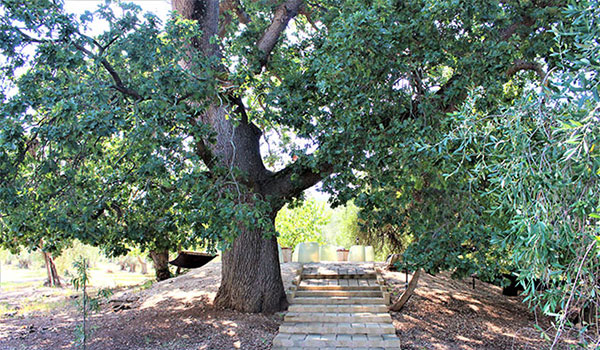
x=241 y=14
x=507 y=32
x=284 y=13
x=524 y=65
x=291 y=181
x=527 y=20
x=119 y=86
x=118 y=82
x=202 y=150
x=205 y=153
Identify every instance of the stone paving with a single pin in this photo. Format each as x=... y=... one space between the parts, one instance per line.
x=337 y=306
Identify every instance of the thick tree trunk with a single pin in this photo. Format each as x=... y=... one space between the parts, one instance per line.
x=251 y=276
x=53 y=278
x=160 y=260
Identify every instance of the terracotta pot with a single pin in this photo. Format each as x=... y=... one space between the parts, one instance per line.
x=342 y=254
x=287 y=254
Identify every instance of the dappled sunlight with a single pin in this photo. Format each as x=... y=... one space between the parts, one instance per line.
x=474 y=307
x=229 y=324
x=466 y=298
x=496 y=329
x=179 y=314
x=469 y=340
x=449 y=314
x=180 y=296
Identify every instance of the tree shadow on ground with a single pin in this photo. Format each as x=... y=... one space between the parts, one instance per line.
x=174 y=314
x=449 y=314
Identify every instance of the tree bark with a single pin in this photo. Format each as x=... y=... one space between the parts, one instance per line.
x=251 y=276
x=160 y=260
x=53 y=278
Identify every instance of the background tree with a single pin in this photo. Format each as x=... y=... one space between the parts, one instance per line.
x=343 y=228
x=303 y=222
x=545 y=178
x=515 y=189
x=145 y=106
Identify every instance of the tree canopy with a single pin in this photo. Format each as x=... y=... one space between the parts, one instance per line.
x=451 y=118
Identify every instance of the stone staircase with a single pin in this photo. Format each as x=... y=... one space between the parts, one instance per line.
x=337 y=306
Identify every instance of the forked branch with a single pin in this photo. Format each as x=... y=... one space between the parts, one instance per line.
x=295 y=178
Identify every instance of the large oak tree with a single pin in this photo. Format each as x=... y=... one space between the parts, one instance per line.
x=167 y=119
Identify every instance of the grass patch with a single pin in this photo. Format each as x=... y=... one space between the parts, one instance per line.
x=100 y=279
x=12 y=286
x=14 y=279
x=29 y=307
x=145 y=285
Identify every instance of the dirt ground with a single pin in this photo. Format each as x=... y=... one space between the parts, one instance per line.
x=179 y=314
x=173 y=314
x=448 y=314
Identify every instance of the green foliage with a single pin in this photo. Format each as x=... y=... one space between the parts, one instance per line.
x=81 y=158
x=23 y=259
x=146 y=285
x=110 y=161
x=386 y=239
x=343 y=229
x=420 y=109
x=65 y=261
x=533 y=169
x=302 y=223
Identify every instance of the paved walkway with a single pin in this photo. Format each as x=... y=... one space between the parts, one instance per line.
x=337 y=306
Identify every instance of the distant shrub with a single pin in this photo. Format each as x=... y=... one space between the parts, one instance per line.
x=302 y=223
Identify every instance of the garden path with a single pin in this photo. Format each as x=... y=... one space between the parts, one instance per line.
x=337 y=306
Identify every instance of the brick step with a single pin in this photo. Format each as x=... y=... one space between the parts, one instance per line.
x=337 y=308
x=366 y=275
x=343 y=284
x=317 y=287
x=353 y=341
x=336 y=328
x=342 y=270
x=337 y=300
x=355 y=317
x=338 y=293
